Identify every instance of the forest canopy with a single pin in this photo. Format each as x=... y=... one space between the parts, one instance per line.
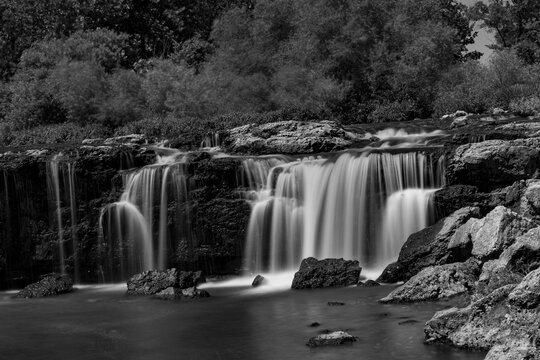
x=121 y=65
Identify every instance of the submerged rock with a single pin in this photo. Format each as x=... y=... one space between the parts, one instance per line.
x=368 y=283
x=172 y=293
x=427 y=247
x=437 y=282
x=331 y=339
x=51 y=284
x=258 y=281
x=315 y=273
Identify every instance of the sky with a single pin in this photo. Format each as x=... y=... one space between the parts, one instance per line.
x=483 y=39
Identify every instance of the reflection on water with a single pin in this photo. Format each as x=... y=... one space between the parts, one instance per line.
x=102 y=323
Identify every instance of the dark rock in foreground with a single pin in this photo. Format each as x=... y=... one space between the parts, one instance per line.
x=153 y=281
x=315 y=273
x=51 y=284
x=172 y=293
x=331 y=339
x=258 y=281
x=437 y=282
x=506 y=322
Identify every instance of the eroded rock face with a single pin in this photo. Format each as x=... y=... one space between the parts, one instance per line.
x=52 y=284
x=495 y=163
x=315 y=273
x=288 y=137
x=437 y=282
x=427 y=247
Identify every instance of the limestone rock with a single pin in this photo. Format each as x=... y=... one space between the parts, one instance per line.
x=331 y=339
x=315 y=273
x=51 y=284
x=491 y=235
x=427 y=247
x=527 y=293
x=437 y=282
x=495 y=163
x=288 y=137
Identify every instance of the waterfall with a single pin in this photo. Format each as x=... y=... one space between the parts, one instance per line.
x=131 y=239
x=61 y=175
x=337 y=207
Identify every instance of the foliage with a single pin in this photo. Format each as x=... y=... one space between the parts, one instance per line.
x=525 y=106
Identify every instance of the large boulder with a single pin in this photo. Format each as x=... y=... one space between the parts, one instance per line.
x=495 y=163
x=506 y=322
x=288 y=137
x=51 y=284
x=152 y=281
x=488 y=237
x=437 y=282
x=427 y=247
x=315 y=273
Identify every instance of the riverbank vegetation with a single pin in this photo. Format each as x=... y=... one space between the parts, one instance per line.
x=80 y=68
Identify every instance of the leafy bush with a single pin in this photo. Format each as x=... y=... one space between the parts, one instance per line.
x=525 y=106
x=51 y=134
x=392 y=111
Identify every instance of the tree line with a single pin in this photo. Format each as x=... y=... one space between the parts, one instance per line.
x=115 y=63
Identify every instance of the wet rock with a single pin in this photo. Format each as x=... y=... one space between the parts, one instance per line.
x=51 y=284
x=331 y=339
x=288 y=137
x=495 y=163
x=453 y=198
x=314 y=324
x=169 y=293
x=492 y=234
x=437 y=282
x=187 y=279
x=427 y=247
x=258 y=281
x=315 y=273
x=151 y=282
x=368 y=283
x=514 y=350
x=193 y=292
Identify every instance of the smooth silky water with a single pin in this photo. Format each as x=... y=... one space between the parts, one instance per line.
x=235 y=323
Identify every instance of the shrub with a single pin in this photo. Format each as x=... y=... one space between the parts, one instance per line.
x=392 y=111
x=525 y=106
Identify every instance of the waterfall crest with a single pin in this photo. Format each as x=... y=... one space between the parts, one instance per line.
x=357 y=206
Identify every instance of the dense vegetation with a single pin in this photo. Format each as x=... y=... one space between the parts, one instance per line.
x=77 y=68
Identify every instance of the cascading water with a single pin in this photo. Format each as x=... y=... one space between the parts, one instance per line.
x=359 y=205
x=130 y=238
x=61 y=174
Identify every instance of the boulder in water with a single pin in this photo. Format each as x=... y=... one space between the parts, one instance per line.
x=193 y=292
x=427 y=247
x=331 y=339
x=437 y=282
x=315 y=273
x=368 y=283
x=258 y=281
x=152 y=281
x=50 y=284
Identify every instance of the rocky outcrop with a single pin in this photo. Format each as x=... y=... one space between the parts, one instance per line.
x=175 y=293
x=495 y=163
x=154 y=281
x=315 y=273
x=331 y=339
x=427 y=247
x=437 y=282
x=506 y=322
x=288 y=137
x=51 y=284
x=489 y=236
